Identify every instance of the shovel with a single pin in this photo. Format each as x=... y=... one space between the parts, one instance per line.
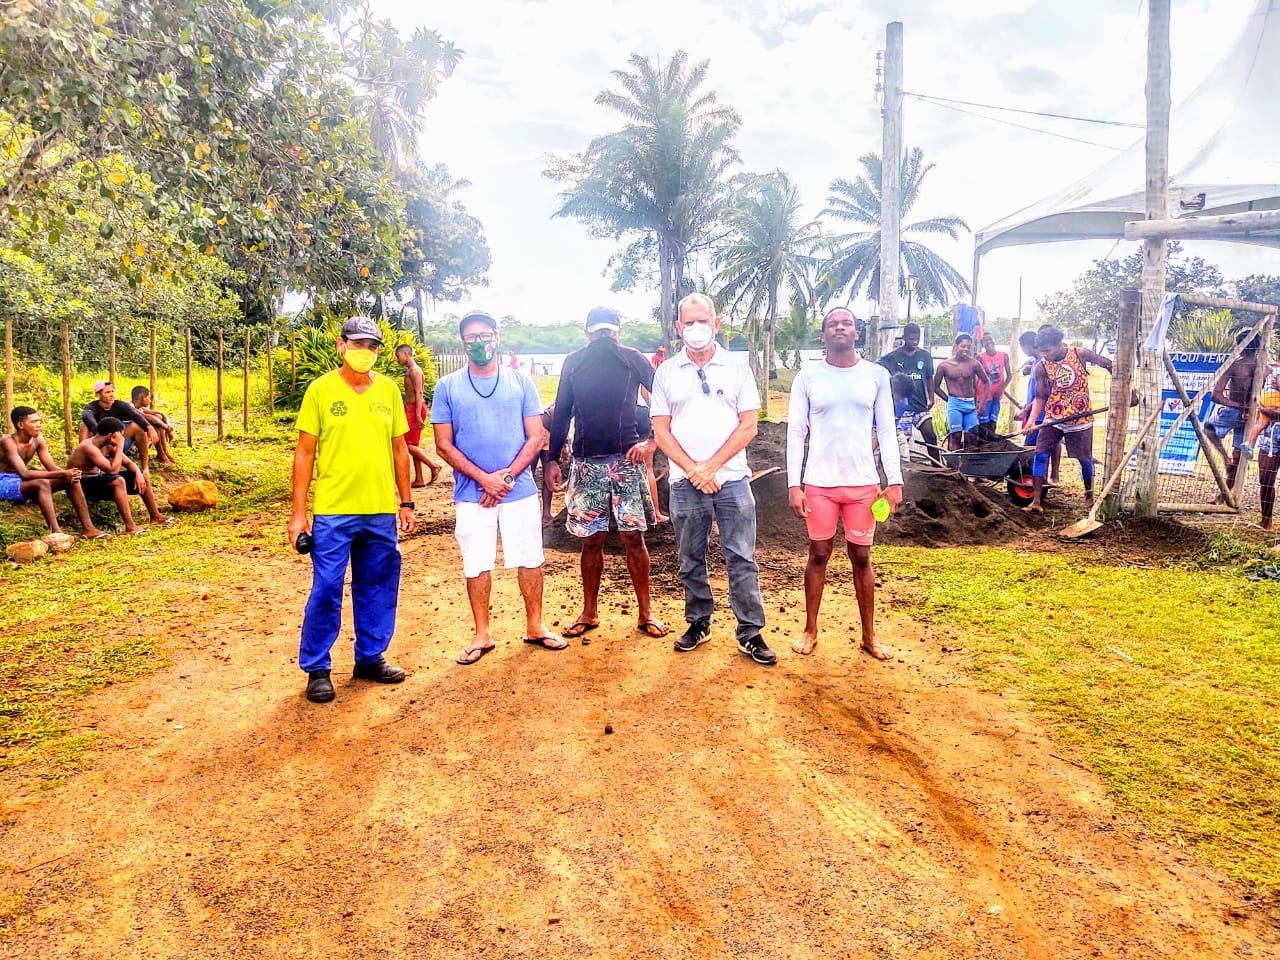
x=1051 y=423
x=1082 y=528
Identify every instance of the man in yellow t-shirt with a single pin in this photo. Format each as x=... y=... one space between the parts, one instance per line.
x=351 y=431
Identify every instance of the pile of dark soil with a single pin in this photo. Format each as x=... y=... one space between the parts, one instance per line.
x=940 y=508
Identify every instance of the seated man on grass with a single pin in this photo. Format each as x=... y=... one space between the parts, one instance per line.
x=107 y=474
x=20 y=484
x=139 y=434
x=163 y=426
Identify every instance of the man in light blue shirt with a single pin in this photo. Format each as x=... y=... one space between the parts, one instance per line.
x=488 y=427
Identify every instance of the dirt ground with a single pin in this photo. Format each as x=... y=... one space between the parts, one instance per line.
x=612 y=800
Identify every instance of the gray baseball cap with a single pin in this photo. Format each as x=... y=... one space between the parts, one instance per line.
x=361 y=328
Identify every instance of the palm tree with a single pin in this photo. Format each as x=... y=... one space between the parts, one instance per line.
x=395 y=80
x=768 y=252
x=855 y=258
x=663 y=175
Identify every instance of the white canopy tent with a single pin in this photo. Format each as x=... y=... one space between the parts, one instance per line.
x=1224 y=157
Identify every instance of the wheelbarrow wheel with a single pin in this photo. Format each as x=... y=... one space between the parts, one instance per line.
x=1020 y=488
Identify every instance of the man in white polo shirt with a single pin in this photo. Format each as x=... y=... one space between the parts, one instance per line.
x=837 y=403
x=704 y=408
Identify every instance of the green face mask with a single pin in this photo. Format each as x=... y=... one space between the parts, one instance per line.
x=482 y=352
x=361 y=361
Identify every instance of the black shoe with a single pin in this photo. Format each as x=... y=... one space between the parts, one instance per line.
x=755 y=648
x=379 y=672
x=699 y=632
x=319 y=686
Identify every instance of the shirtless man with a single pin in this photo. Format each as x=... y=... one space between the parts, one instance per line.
x=1232 y=393
x=962 y=374
x=107 y=474
x=141 y=398
x=415 y=411
x=19 y=483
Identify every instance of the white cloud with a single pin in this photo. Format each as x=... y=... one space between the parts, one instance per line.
x=801 y=73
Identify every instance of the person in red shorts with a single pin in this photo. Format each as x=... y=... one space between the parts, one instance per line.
x=415 y=411
x=838 y=403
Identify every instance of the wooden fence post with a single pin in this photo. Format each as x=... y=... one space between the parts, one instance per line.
x=220 y=384
x=8 y=364
x=271 y=386
x=246 y=380
x=189 y=443
x=66 y=387
x=1121 y=384
x=293 y=363
x=153 y=364
x=111 y=356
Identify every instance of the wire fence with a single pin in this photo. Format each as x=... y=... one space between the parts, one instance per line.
x=257 y=358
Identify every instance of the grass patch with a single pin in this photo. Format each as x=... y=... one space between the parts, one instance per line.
x=74 y=623
x=1165 y=681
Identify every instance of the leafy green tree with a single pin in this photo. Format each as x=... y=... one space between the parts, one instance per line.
x=443 y=251
x=854 y=263
x=69 y=276
x=239 y=111
x=394 y=79
x=1092 y=306
x=662 y=180
x=767 y=254
x=797 y=330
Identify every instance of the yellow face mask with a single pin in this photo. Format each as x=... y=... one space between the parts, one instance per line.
x=361 y=361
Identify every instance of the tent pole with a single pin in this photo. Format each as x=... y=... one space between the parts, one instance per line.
x=973 y=290
x=890 y=189
x=1154 y=249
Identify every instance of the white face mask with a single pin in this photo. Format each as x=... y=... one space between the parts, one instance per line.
x=697 y=336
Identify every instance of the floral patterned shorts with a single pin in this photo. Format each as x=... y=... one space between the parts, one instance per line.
x=598 y=485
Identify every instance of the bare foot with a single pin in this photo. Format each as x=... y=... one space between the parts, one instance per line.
x=435 y=469
x=1033 y=508
x=661 y=519
x=806 y=643
x=878 y=650
x=418 y=485
x=1267 y=525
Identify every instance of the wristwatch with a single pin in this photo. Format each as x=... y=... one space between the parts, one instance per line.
x=508 y=479
x=408 y=505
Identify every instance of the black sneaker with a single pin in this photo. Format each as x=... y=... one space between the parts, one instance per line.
x=699 y=632
x=755 y=648
x=379 y=672
x=319 y=686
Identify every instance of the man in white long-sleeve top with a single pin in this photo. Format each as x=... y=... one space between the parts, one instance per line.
x=838 y=403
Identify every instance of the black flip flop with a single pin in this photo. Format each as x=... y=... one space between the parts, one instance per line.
x=586 y=628
x=477 y=658
x=542 y=642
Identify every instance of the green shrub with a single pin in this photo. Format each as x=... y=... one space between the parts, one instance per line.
x=36 y=386
x=317 y=354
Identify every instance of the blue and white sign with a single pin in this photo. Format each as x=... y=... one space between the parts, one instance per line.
x=1196 y=371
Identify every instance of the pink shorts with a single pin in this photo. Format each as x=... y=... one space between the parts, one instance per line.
x=850 y=504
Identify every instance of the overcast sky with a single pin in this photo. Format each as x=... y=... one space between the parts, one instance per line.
x=801 y=74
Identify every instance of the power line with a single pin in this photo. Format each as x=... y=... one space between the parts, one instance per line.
x=1034 y=113
x=1023 y=126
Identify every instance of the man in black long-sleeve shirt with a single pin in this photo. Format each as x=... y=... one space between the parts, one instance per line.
x=138 y=431
x=599 y=387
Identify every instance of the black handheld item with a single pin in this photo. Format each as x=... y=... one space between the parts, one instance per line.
x=304 y=542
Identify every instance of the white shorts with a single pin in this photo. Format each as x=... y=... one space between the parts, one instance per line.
x=477 y=529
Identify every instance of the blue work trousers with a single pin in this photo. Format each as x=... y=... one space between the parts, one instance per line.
x=371 y=543
x=733 y=507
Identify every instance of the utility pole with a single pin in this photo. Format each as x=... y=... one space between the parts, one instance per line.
x=1150 y=373
x=890 y=188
